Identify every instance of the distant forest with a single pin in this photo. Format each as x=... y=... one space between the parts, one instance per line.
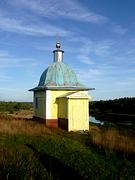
x=119 y=106
x=14 y=106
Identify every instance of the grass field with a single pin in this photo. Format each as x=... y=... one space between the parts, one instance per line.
x=29 y=150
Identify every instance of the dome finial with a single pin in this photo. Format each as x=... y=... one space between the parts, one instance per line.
x=58 y=45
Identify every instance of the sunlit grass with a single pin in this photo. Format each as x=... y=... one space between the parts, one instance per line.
x=19 y=125
x=26 y=147
x=112 y=139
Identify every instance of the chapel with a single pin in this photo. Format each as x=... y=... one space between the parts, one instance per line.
x=60 y=100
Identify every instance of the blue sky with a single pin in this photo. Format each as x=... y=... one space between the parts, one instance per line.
x=98 y=37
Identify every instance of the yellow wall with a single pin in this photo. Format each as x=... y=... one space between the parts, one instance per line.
x=59 y=105
x=78 y=114
x=54 y=102
x=76 y=111
x=63 y=108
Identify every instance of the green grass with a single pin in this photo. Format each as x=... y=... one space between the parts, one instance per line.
x=46 y=157
x=29 y=150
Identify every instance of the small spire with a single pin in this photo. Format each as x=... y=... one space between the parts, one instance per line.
x=58 y=53
x=57 y=39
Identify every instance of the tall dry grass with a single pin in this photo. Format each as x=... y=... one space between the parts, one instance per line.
x=112 y=139
x=20 y=125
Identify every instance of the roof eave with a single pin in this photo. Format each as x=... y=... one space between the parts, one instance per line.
x=42 y=88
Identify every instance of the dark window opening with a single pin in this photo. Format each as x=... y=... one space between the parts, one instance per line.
x=36 y=102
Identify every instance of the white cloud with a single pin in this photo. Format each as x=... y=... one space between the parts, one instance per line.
x=115 y=52
x=12 y=62
x=87 y=75
x=99 y=48
x=109 y=81
x=11 y=24
x=103 y=48
x=9 y=61
x=89 y=51
x=85 y=59
x=119 y=29
x=57 y=8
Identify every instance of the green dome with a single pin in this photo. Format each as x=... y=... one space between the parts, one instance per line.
x=58 y=74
